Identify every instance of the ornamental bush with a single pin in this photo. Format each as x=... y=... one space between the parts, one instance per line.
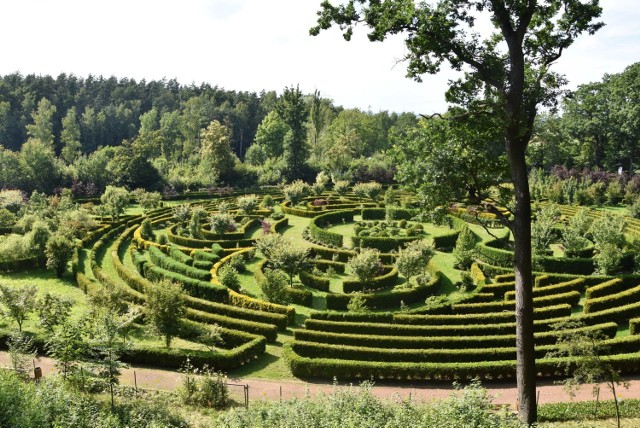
x=369 y=190
x=341 y=187
x=274 y=287
x=464 y=251
x=221 y=223
x=365 y=265
x=248 y=203
x=228 y=276
x=295 y=192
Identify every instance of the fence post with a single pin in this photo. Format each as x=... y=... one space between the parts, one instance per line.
x=135 y=382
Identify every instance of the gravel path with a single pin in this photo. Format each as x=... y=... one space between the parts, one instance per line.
x=503 y=393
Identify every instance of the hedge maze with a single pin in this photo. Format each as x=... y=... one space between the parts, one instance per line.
x=427 y=330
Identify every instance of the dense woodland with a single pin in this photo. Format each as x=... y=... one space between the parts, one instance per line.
x=86 y=133
x=90 y=132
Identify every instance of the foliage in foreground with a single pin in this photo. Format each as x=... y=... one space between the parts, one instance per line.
x=357 y=407
x=52 y=404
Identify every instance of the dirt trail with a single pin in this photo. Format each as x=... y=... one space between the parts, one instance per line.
x=503 y=393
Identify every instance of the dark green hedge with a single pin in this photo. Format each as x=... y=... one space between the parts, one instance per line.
x=387 y=299
x=317 y=225
x=446 y=342
x=612 y=300
x=384 y=244
x=20 y=265
x=606 y=288
x=411 y=330
x=572 y=298
x=548 y=312
x=243 y=301
x=169 y=263
x=499 y=289
x=380 y=213
x=353 y=316
x=193 y=287
x=577 y=284
x=387 y=280
x=313 y=281
x=177 y=254
x=269 y=331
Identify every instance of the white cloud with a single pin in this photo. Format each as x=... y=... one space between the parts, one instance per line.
x=253 y=45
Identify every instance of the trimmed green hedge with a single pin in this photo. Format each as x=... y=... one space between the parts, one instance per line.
x=499 y=289
x=316 y=226
x=205 y=243
x=169 y=263
x=173 y=358
x=243 y=301
x=386 y=280
x=313 y=281
x=606 y=288
x=380 y=213
x=438 y=355
x=612 y=300
x=383 y=317
x=177 y=254
x=193 y=287
x=412 y=329
x=577 y=284
x=544 y=313
x=20 y=265
x=384 y=244
x=387 y=299
x=572 y=298
x=446 y=342
x=269 y=331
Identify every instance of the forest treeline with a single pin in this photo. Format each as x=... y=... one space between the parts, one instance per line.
x=94 y=131
x=87 y=133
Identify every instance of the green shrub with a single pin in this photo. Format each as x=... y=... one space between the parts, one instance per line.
x=274 y=287
x=228 y=277
x=463 y=252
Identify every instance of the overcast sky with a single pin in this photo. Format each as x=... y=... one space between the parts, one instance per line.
x=251 y=45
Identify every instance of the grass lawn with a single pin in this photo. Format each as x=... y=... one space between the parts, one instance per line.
x=293 y=231
x=269 y=366
x=45 y=281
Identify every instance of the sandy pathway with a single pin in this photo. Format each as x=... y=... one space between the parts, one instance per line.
x=503 y=393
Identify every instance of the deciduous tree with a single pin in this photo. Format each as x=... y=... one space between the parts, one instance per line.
x=508 y=80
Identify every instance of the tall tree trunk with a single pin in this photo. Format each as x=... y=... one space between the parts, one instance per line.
x=521 y=228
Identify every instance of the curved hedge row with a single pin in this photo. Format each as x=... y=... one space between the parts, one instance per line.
x=194 y=287
x=608 y=330
x=439 y=355
x=544 y=313
x=296 y=295
x=170 y=263
x=577 y=284
x=204 y=243
x=417 y=329
x=387 y=299
x=244 y=301
x=384 y=244
x=386 y=280
x=612 y=300
x=316 y=282
x=572 y=298
x=334 y=217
